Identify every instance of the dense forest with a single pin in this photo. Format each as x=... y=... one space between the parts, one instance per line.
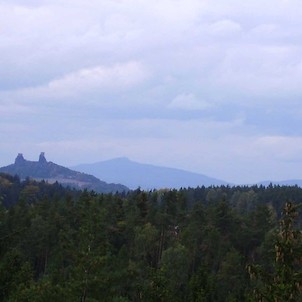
x=193 y=244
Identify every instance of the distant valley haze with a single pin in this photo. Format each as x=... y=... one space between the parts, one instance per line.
x=133 y=175
x=120 y=175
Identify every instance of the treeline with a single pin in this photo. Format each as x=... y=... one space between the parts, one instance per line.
x=13 y=190
x=168 y=245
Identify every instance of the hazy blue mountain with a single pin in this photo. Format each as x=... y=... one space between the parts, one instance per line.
x=134 y=175
x=52 y=172
x=289 y=182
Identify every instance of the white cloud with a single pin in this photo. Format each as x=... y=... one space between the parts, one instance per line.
x=281 y=148
x=188 y=69
x=82 y=84
x=225 y=28
x=188 y=101
x=260 y=72
x=100 y=77
x=264 y=30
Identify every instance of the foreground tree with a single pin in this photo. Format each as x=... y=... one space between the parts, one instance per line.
x=284 y=282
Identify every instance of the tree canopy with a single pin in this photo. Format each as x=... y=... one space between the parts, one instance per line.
x=192 y=244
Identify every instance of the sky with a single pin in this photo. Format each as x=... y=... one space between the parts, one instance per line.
x=209 y=86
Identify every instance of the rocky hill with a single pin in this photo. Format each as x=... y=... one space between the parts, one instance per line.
x=51 y=172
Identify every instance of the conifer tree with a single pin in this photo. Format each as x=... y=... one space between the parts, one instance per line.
x=284 y=283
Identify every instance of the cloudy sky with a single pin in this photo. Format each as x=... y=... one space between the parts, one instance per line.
x=210 y=86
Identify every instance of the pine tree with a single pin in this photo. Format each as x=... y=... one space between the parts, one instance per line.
x=284 y=283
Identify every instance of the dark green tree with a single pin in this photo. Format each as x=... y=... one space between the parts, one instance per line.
x=284 y=283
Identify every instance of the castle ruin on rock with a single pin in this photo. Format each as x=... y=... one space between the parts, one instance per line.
x=42 y=159
x=20 y=159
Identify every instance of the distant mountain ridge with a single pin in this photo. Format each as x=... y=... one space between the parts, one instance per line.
x=51 y=172
x=288 y=182
x=146 y=176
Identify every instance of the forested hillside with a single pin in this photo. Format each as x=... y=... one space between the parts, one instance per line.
x=13 y=190
x=167 y=245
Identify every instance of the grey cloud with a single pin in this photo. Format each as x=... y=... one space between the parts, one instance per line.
x=158 y=71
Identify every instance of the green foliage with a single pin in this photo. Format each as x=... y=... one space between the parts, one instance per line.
x=284 y=283
x=175 y=270
x=168 y=245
